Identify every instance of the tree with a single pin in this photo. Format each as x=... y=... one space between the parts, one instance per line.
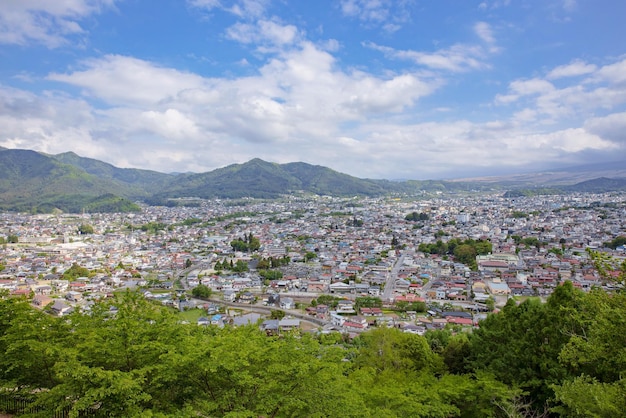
x=240 y=267
x=521 y=345
x=277 y=314
x=85 y=229
x=188 y=263
x=328 y=300
x=616 y=242
x=368 y=302
x=76 y=271
x=310 y=255
x=248 y=243
x=466 y=254
x=415 y=216
x=490 y=303
x=271 y=274
x=201 y=291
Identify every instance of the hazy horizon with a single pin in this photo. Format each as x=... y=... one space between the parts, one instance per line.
x=376 y=89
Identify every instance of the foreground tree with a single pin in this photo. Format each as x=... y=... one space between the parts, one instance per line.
x=201 y=291
x=521 y=344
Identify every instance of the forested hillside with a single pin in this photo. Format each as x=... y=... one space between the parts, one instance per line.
x=129 y=357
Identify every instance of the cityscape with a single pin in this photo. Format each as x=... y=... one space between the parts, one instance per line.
x=350 y=248
x=329 y=208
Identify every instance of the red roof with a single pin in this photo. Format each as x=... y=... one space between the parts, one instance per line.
x=460 y=321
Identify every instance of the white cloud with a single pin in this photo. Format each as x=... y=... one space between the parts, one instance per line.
x=245 y=9
x=388 y=14
x=484 y=31
x=171 y=124
x=570 y=5
x=124 y=80
x=611 y=127
x=50 y=23
x=263 y=32
x=299 y=101
x=612 y=73
x=568 y=140
x=573 y=69
x=604 y=89
x=491 y=5
x=457 y=58
x=205 y=4
x=366 y=10
x=521 y=88
x=302 y=105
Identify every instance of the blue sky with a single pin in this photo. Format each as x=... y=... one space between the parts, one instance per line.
x=373 y=88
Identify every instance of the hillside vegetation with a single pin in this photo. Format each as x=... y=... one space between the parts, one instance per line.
x=37 y=182
x=566 y=357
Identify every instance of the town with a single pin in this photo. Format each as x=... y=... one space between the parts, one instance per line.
x=323 y=263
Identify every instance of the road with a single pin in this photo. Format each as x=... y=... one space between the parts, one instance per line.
x=266 y=310
x=392 y=276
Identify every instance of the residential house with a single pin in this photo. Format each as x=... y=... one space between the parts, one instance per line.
x=287 y=324
x=230 y=295
x=247 y=319
x=247 y=297
x=287 y=303
x=41 y=301
x=60 y=308
x=345 y=307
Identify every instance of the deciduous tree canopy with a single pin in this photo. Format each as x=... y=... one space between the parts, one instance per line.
x=566 y=356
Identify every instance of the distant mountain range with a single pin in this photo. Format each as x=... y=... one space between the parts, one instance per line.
x=37 y=182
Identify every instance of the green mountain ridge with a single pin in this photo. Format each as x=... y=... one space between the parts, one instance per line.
x=34 y=182
x=125 y=176
x=37 y=182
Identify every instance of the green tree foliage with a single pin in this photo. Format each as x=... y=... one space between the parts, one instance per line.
x=76 y=271
x=85 y=229
x=248 y=243
x=521 y=345
x=240 y=267
x=585 y=396
x=201 y=291
x=153 y=227
x=310 y=255
x=130 y=357
x=328 y=300
x=277 y=314
x=368 y=302
x=610 y=268
x=531 y=242
x=417 y=216
x=271 y=274
x=616 y=242
x=356 y=222
x=464 y=251
x=191 y=221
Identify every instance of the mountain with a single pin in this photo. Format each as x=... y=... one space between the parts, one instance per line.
x=261 y=179
x=135 y=181
x=32 y=181
x=599 y=185
x=564 y=176
x=38 y=182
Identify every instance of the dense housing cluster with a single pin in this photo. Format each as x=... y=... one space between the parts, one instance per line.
x=373 y=300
